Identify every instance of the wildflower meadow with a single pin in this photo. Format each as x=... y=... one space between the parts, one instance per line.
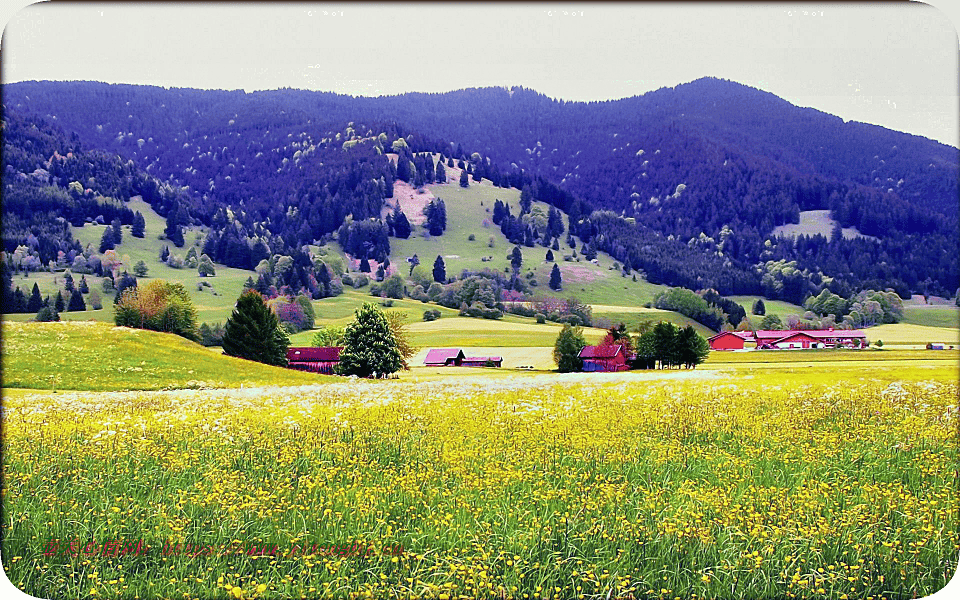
x=796 y=483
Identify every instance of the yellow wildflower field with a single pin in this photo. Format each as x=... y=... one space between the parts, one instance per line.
x=741 y=484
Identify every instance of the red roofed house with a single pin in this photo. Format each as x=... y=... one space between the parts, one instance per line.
x=603 y=358
x=314 y=360
x=815 y=338
x=730 y=340
x=444 y=357
x=482 y=361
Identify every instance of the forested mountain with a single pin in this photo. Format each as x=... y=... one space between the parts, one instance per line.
x=685 y=184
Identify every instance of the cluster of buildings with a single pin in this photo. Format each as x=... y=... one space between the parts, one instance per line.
x=796 y=339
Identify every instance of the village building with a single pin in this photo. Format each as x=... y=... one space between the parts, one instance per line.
x=731 y=340
x=444 y=357
x=314 y=360
x=603 y=358
x=454 y=357
x=482 y=361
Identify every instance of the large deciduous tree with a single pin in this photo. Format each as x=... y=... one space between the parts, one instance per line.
x=566 y=350
x=159 y=306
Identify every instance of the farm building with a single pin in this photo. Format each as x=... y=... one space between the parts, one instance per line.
x=603 y=358
x=314 y=360
x=444 y=357
x=811 y=338
x=454 y=357
x=730 y=340
x=482 y=361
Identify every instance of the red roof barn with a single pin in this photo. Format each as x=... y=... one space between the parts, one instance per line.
x=482 y=361
x=444 y=357
x=314 y=360
x=603 y=358
x=730 y=340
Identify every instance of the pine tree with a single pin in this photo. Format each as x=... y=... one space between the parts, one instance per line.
x=76 y=302
x=140 y=269
x=68 y=281
x=364 y=265
x=126 y=281
x=555 y=279
x=369 y=347
x=516 y=258
x=84 y=288
x=549 y=256
x=106 y=240
x=253 y=332
x=439 y=270
x=35 y=302
x=139 y=226
x=117 y=231
x=692 y=348
x=464 y=179
x=759 y=308
x=441 y=172
x=59 y=304
x=173 y=231
x=164 y=253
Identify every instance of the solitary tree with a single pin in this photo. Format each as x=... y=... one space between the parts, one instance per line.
x=549 y=256
x=140 y=269
x=759 y=308
x=555 y=279
x=516 y=258
x=439 y=270
x=369 y=347
x=139 y=226
x=464 y=179
x=205 y=267
x=566 y=351
x=253 y=332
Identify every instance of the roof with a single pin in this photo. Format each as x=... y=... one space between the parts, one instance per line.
x=600 y=351
x=743 y=335
x=815 y=333
x=791 y=335
x=328 y=354
x=439 y=356
x=482 y=359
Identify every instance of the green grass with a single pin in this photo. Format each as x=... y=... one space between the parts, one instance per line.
x=99 y=356
x=932 y=316
x=773 y=307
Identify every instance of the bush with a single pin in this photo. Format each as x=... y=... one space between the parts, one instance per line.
x=158 y=306
x=480 y=311
x=471 y=238
x=431 y=315
x=360 y=280
x=211 y=335
x=541 y=318
x=47 y=314
x=386 y=303
x=329 y=336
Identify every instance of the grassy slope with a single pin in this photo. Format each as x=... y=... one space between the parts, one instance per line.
x=99 y=356
x=932 y=316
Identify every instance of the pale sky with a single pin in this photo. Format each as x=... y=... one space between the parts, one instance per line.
x=894 y=65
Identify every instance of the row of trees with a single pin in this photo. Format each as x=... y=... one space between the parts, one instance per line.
x=662 y=346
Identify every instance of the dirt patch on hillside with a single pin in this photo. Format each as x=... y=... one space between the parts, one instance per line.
x=411 y=202
x=580 y=274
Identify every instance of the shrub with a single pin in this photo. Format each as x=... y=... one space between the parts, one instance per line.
x=158 y=306
x=329 y=336
x=431 y=315
x=47 y=314
x=541 y=318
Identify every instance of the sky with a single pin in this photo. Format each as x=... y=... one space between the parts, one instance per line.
x=893 y=64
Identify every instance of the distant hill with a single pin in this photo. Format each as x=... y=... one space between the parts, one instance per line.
x=694 y=178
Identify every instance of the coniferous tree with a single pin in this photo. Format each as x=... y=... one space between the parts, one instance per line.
x=173 y=231
x=253 y=332
x=117 y=231
x=464 y=179
x=76 y=302
x=364 y=265
x=35 y=302
x=549 y=256
x=68 y=281
x=555 y=279
x=441 y=172
x=369 y=346
x=692 y=348
x=759 y=308
x=139 y=226
x=126 y=280
x=164 y=253
x=401 y=226
x=140 y=269
x=106 y=240
x=439 y=270
x=59 y=304
x=516 y=258
x=84 y=288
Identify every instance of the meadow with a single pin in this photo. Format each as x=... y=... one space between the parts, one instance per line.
x=731 y=481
